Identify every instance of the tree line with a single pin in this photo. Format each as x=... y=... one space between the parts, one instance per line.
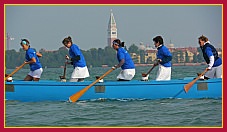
x=94 y=57
x=54 y=59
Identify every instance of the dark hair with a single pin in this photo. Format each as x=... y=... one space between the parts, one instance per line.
x=67 y=40
x=158 y=39
x=24 y=41
x=203 y=38
x=118 y=41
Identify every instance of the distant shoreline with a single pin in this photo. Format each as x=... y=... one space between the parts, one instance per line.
x=176 y=64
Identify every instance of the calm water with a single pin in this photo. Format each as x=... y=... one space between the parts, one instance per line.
x=115 y=113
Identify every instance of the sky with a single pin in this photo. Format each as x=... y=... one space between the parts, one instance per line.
x=45 y=26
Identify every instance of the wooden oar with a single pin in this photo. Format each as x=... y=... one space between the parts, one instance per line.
x=77 y=95
x=190 y=84
x=145 y=74
x=17 y=69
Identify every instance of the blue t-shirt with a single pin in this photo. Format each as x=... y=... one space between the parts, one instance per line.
x=75 y=51
x=209 y=53
x=123 y=54
x=30 y=53
x=165 y=55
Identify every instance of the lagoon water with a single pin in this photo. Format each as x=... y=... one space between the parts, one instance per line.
x=115 y=113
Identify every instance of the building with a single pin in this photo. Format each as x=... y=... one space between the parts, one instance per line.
x=180 y=55
x=135 y=58
x=112 y=30
x=150 y=55
x=8 y=39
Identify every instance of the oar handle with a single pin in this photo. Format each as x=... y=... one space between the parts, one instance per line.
x=17 y=69
x=77 y=95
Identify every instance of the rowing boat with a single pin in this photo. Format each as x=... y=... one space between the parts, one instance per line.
x=47 y=90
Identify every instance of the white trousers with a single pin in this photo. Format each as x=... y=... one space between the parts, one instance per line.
x=214 y=72
x=80 y=72
x=164 y=73
x=36 y=73
x=126 y=74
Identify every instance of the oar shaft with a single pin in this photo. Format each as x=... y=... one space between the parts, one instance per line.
x=17 y=69
x=145 y=75
x=150 y=69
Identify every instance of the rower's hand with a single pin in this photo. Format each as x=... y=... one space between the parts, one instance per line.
x=26 y=62
x=66 y=57
x=157 y=61
x=114 y=67
x=208 y=69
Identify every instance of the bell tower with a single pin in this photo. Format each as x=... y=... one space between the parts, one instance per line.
x=112 y=29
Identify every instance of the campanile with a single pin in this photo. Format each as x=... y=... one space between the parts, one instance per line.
x=112 y=30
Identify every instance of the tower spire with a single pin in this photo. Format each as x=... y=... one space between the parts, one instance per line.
x=112 y=29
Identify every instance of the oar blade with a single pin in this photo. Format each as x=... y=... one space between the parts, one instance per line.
x=190 y=84
x=77 y=95
x=187 y=87
x=144 y=74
